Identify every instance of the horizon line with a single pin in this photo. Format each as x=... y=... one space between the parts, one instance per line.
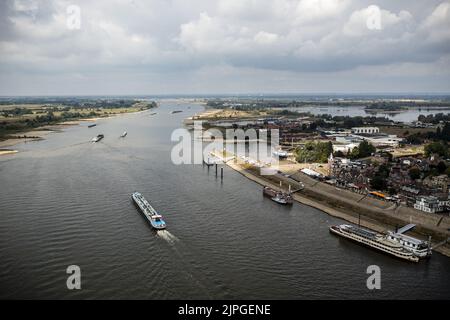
x=235 y=94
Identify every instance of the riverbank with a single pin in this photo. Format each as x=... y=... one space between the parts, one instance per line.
x=39 y=133
x=36 y=134
x=26 y=120
x=373 y=214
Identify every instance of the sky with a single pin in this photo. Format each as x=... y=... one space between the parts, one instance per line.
x=137 y=47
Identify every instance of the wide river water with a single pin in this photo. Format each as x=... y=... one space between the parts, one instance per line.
x=66 y=201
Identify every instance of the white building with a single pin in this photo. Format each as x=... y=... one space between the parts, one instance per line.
x=345 y=148
x=365 y=130
x=340 y=133
x=390 y=140
x=430 y=204
x=349 y=139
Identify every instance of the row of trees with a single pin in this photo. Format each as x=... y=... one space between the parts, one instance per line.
x=365 y=149
x=444 y=133
x=314 y=152
x=434 y=118
x=46 y=114
x=320 y=151
x=438 y=147
x=16 y=112
x=42 y=119
x=440 y=134
x=348 y=122
x=380 y=178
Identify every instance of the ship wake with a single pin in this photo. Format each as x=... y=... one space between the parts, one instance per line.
x=188 y=267
x=166 y=235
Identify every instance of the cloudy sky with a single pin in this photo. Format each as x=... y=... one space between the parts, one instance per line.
x=223 y=46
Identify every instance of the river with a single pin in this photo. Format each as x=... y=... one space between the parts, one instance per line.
x=66 y=201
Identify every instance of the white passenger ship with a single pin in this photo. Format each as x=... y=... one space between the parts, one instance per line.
x=374 y=240
x=418 y=247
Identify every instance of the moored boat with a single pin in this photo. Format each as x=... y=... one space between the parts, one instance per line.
x=280 y=199
x=374 y=240
x=267 y=191
x=418 y=247
x=278 y=196
x=124 y=134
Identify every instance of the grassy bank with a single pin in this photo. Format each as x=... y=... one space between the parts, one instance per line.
x=20 y=118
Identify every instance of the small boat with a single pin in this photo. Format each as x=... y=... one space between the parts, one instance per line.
x=176 y=111
x=124 y=134
x=92 y=125
x=267 y=191
x=155 y=219
x=98 y=138
x=278 y=196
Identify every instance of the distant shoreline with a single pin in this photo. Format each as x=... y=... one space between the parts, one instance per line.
x=39 y=133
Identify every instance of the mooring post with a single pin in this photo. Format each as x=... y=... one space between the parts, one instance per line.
x=216 y=169
x=429 y=245
x=221 y=173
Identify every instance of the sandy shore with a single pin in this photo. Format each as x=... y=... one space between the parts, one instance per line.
x=7 y=151
x=346 y=205
x=31 y=135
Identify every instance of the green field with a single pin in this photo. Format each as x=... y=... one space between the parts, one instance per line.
x=16 y=118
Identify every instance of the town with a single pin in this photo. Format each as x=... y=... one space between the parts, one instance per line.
x=404 y=163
